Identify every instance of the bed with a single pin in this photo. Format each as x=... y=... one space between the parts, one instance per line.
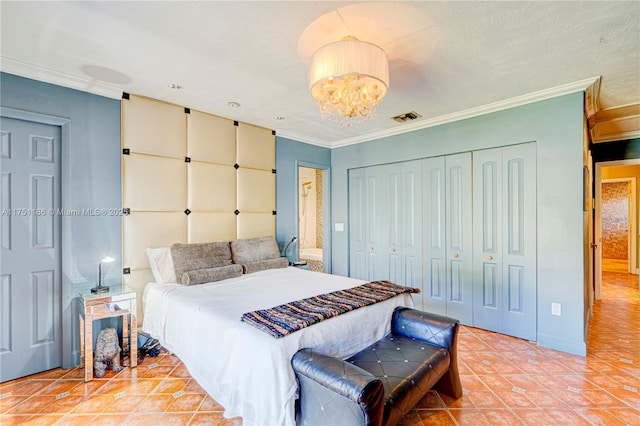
x=243 y=368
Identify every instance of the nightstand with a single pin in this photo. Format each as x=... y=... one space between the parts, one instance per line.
x=115 y=303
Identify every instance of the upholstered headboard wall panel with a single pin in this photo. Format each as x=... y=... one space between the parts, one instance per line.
x=190 y=177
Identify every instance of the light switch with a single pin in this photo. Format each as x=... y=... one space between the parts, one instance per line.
x=339 y=227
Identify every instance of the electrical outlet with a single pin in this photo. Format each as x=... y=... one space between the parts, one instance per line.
x=556 y=309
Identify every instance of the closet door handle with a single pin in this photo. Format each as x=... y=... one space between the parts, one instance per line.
x=455 y=255
x=489 y=257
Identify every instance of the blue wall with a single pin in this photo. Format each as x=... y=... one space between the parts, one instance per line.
x=556 y=125
x=290 y=154
x=91 y=178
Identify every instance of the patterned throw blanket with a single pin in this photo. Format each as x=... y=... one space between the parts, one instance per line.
x=285 y=319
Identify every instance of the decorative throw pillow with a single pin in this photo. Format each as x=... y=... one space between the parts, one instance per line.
x=254 y=249
x=161 y=264
x=191 y=257
x=210 y=275
x=261 y=265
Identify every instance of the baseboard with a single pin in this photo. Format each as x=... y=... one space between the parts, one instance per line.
x=570 y=346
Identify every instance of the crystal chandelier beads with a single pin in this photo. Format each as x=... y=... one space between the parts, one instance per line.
x=348 y=79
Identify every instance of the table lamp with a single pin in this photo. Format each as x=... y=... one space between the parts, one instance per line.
x=100 y=288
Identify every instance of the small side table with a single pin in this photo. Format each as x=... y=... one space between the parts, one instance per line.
x=115 y=303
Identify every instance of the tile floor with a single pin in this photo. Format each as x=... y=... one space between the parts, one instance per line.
x=507 y=381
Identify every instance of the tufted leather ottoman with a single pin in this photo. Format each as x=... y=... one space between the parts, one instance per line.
x=381 y=383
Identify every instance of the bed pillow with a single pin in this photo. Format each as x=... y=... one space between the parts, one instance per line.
x=161 y=264
x=261 y=265
x=191 y=257
x=201 y=276
x=254 y=249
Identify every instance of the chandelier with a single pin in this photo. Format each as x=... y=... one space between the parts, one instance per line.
x=348 y=78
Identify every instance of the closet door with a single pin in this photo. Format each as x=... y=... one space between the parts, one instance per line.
x=392 y=215
x=411 y=225
x=519 y=276
x=458 y=236
x=376 y=196
x=447 y=238
x=487 y=239
x=357 y=225
x=434 y=291
x=505 y=240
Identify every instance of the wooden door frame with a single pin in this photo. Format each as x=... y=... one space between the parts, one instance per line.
x=598 y=221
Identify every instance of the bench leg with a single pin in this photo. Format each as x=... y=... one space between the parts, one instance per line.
x=449 y=384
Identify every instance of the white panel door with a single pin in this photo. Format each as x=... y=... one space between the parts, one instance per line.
x=458 y=236
x=30 y=279
x=357 y=225
x=376 y=198
x=411 y=249
x=519 y=276
x=392 y=224
x=434 y=251
x=505 y=240
x=487 y=239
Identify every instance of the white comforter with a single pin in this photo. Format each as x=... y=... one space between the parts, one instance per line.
x=244 y=369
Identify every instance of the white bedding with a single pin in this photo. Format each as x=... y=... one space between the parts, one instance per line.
x=244 y=369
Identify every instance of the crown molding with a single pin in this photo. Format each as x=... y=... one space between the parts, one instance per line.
x=36 y=72
x=541 y=95
x=590 y=85
x=304 y=139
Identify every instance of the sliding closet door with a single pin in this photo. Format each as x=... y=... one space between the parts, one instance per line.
x=390 y=211
x=505 y=240
x=519 y=274
x=377 y=263
x=447 y=238
x=487 y=239
x=458 y=236
x=411 y=249
x=434 y=294
x=357 y=225
x=385 y=223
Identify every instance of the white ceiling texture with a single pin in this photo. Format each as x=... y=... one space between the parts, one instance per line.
x=447 y=60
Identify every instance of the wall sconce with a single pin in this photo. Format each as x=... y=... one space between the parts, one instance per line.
x=100 y=288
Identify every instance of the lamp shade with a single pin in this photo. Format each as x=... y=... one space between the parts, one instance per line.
x=348 y=78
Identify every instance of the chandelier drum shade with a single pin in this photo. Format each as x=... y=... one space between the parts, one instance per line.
x=348 y=78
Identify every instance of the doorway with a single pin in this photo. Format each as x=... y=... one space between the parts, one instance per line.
x=617 y=203
x=616 y=219
x=312 y=216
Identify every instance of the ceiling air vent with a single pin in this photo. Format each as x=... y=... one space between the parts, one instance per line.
x=407 y=116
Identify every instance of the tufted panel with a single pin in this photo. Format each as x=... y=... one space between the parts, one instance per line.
x=205 y=227
x=154 y=183
x=256 y=147
x=188 y=176
x=212 y=187
x=154 y=128
x=211 y=139
x=256 y=191
x=256 y=225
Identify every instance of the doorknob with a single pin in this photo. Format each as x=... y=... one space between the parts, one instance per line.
x=489 y=257
x=455 y=255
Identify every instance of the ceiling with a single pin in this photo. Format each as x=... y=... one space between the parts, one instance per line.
x=447 y=60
